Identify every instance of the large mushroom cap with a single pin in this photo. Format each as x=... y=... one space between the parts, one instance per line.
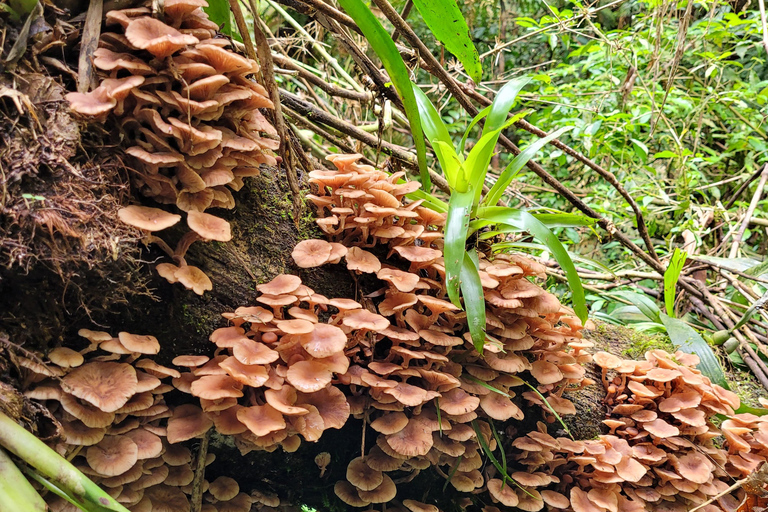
x=146 y=218
x=187 y=421
x=156 y=37
x=143 y=344
x=209 y=226
x=311 y=253
x=106 y=385
x=113 y=456
x=362 y=476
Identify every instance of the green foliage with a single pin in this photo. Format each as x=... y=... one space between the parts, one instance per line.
x=444 y=19
x=671 y=277
x=218 y=11
x=385 y=48
x=469 y=211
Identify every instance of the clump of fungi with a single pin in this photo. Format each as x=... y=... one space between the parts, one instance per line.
x=117 y=428
x=190 y=107
x=299 y=363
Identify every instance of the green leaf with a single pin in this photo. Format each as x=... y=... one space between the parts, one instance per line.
x=480 y=116
x=452 y=167
x=671 y=275
x=434 y=127
x=516 y=164
x=434 y=203
x=474 y=300
x=456 y=226
x=688 y=340
x=565 y=220
x=385 y=48
x=524 y=220
x=644 y=303
x=503 y=103
x=444 y=19
x=218 y=12
x=665 y=154
x=16 y=493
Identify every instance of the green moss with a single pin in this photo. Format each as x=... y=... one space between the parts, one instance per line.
x=628 y=342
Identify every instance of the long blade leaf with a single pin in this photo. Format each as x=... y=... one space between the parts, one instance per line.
x=434 y=127
x=528 y=222
x=671 y=276
x=503 y=103
x=456 y=226
x=444 y=19
x=474 y=300
x=385 y=48
x=516 y=164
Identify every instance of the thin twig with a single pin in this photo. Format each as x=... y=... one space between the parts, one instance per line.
x=86 y=75
x=196 y=499
x=751 y=210
x=764 y=24
x=265 y=59
x=242 y=27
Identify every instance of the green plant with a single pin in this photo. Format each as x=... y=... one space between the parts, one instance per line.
x=469 y=210
x=49 y=469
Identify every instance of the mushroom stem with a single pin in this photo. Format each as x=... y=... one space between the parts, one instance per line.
x=184 y=244
x=196 y=499
x=152 y=239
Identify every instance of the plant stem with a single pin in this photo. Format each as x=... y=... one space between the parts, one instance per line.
x=16 y=493
x=37 y=454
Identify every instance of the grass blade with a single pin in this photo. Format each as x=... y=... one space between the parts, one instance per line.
x=444 y=19
x=549 y=406
x=385 y=48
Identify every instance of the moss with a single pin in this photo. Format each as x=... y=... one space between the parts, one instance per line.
x=628 y=342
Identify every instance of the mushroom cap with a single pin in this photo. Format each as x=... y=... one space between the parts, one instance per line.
x=546 y=372
x=143 y=344
x=65 y=357
x=251 y=375
x=390 y=423
x=502 y=493
x=403 y=281
x=606 y=360
x=284 y=283
x=362 y=476
x=193 y=279
x=113 y=456
x=147 y=218
x=309 y=376
x=156 y=37
x=106 y=385
x=324 y=340
x=384 y=493
x=216 y=387
x=166 y=498
x=261 y=419
x=94 y=103
x=362 y=261
x=348 y=494
x=414 y=440
x=224 y=488
x=417 y=506
x=186 y=422
x=209 y=226
x=311 y=253
x=248 y=351
x=364 y=319
x=695 y=467
x=149 y=445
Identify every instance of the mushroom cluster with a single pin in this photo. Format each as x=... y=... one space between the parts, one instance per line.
x=405 y=365
x=190 y=107
x=663 y=451
x=269 y=381
x=118 y=429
